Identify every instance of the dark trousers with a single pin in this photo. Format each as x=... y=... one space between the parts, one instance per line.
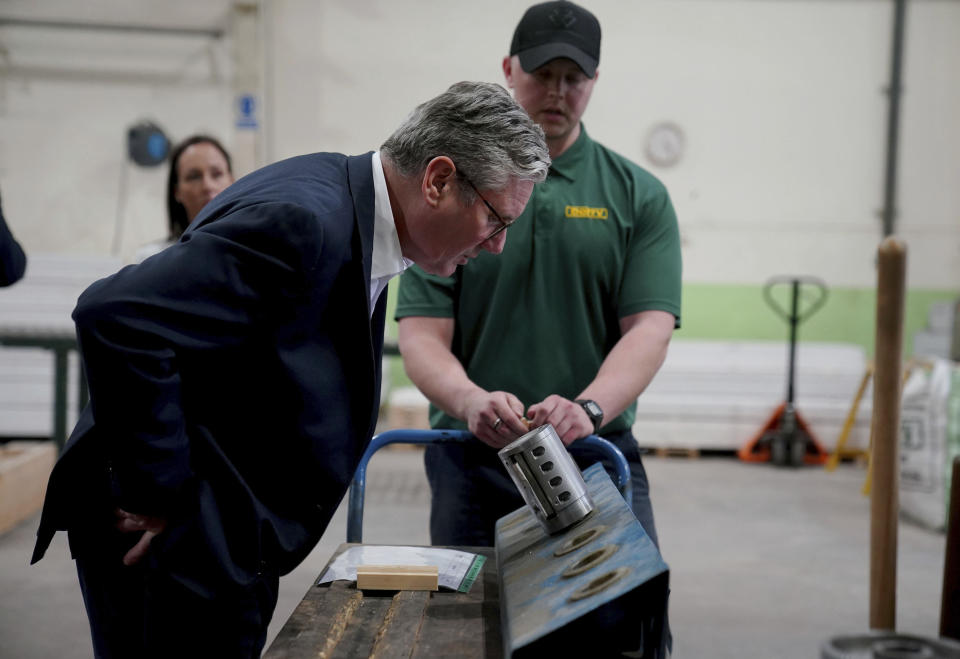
x=141 y=611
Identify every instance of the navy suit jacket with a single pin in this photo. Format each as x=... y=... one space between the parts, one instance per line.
x=234 y=378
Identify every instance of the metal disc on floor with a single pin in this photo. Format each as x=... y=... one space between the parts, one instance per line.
x=889 y=645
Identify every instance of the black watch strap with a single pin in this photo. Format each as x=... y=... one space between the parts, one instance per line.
x=594 y=411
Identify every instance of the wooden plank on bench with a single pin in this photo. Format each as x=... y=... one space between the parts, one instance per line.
x=24 y=469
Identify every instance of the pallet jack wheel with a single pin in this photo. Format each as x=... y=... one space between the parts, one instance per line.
x=778 y=449
x=798 y=449
x=786 y=451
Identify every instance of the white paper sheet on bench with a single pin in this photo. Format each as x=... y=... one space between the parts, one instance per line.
x=457 y=568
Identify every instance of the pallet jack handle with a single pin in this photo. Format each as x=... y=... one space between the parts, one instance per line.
x=795 y=316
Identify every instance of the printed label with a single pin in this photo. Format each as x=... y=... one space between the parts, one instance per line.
x=586 y=212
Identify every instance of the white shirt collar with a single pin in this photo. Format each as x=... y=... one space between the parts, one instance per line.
x=388 y=261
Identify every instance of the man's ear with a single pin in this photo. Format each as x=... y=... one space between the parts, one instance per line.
x=508 y=70
x=437 y=177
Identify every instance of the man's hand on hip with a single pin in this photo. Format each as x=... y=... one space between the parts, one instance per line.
x=131 y=523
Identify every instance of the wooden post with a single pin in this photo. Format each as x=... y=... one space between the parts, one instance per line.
x=950 y=599
x=884 y=499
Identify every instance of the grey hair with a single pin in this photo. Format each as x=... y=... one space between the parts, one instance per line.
x=478 y=125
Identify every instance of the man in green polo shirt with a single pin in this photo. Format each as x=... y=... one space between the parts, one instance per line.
x=570 y=323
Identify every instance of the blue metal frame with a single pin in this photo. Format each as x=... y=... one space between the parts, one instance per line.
x=355 y=504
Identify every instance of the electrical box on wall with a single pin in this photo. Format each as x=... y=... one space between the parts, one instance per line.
x=147 y=145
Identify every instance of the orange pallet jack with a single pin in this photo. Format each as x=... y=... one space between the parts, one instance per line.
x=786 y=439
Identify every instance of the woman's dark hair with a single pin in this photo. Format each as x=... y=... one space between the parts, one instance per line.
x=176 y=213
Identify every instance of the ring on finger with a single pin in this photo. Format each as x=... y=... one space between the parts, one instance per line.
x=497 y=424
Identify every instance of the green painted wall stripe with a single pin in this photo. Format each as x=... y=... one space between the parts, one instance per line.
x=740 y=313
x=737 y=312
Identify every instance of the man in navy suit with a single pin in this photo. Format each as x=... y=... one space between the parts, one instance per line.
x=234 y=377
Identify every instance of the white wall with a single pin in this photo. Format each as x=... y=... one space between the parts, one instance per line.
x=781 y=101
x=930 y=156
x=67 y=97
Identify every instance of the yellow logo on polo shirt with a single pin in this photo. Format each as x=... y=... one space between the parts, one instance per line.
x=586 y=212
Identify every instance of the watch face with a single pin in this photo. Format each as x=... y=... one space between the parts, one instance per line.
x=593 y=411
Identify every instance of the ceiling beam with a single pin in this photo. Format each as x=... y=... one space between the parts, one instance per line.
x=213 y=32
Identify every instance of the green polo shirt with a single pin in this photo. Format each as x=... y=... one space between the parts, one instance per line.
x=597 y=241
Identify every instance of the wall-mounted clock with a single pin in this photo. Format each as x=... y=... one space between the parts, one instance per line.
x=665 y=143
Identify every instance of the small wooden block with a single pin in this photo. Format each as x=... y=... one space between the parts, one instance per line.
x=397 y=577
x=676 y=452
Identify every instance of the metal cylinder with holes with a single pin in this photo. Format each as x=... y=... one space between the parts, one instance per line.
x=548 y=479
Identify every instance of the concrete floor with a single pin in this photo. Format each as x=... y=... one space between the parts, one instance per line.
x=765 y=562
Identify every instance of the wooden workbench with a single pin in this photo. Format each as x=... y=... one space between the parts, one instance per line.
x=336 y=620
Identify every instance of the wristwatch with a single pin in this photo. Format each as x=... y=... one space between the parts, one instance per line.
x=593 y=411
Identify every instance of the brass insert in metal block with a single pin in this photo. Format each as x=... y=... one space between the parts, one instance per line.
x=598 y=584
x=591 y=560
x=579 y=540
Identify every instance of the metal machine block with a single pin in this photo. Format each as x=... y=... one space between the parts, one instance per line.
x=600 y=586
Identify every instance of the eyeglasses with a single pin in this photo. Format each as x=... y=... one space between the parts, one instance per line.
x=504 y=225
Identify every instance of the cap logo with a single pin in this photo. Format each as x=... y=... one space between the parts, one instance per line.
x=563 y=18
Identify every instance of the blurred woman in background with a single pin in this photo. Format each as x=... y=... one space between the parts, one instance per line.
x=200 y=169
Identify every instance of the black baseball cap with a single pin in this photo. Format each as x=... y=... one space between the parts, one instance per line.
x=557 y=29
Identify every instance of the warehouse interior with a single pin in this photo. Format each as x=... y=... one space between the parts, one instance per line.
x=794 y=138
